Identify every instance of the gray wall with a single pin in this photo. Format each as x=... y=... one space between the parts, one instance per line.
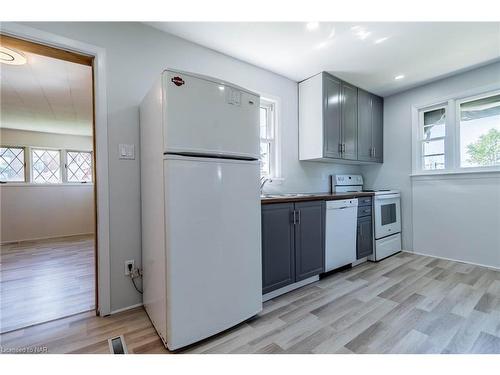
x=136 y=54
x=397 y=167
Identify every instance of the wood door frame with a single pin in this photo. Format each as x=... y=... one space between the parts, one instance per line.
x=72 y=50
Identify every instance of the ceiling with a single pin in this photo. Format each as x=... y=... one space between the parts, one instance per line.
x=47 y=95
x=355 y=52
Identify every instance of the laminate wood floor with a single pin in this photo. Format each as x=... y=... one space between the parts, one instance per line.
x=404 y=304
x=45 y=280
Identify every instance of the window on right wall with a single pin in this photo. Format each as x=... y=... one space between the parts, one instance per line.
x=458 y=135
x=479 y=131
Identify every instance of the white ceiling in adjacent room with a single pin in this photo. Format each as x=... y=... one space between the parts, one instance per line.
x=47 y=95
x=383 y=57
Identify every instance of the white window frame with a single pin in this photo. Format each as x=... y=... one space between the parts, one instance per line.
x=65 y=164
x=28 y=166
x=452 y=132
x=421 y=135
x=458 y=102
x=26 y=173
x=273 y=138
x=61 y=179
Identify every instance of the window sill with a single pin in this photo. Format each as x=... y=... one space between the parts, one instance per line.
x=30 y=184
x=477 y=173
x=276 y=180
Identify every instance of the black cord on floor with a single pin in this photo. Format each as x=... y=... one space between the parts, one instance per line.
x=135 y=286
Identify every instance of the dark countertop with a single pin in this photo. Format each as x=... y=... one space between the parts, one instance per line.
x=314 y=197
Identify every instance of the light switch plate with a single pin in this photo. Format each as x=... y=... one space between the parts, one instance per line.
x=126 y=151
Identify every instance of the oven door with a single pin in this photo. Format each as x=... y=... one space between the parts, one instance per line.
x=387 y=215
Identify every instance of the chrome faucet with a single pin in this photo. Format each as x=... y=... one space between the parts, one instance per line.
x=263 y=181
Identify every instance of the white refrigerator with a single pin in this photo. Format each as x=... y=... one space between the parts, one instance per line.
x=200 y=204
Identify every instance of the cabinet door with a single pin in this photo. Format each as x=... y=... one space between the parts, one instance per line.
x=378 y=128
x=309 y=239
x=331 y=116
x=364 y=125
x=278 y=261
x=364 y=243
x=350 y=121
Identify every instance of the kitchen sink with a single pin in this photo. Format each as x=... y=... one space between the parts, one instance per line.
x=286 y=195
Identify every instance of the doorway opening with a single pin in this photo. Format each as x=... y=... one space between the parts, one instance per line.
x=48 y=226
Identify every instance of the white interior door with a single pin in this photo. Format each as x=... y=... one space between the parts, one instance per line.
x=213 y=245
x=207 y=117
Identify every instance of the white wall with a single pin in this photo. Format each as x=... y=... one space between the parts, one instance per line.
x=129 y=76
x=458 y=217
x=419 y=200
x=15 y=137
x=41 y=211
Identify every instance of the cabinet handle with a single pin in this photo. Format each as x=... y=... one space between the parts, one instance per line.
x=294 y=221
x=298 y=221
x=340 y=147
x=371 y=152
x=374 y=152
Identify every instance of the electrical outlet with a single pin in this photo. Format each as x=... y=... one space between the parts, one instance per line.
x=127 y=263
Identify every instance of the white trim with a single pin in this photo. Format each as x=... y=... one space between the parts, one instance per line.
x=46 y=238
x=488 y=173
x=289 y=288
x=125 y=308
x=101 y=141
x=453 y=260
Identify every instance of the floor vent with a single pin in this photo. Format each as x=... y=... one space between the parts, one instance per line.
x=117 y=345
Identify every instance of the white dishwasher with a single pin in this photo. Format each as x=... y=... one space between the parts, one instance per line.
x=340 y=239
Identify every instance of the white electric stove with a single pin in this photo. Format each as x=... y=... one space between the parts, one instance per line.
x=386 y=214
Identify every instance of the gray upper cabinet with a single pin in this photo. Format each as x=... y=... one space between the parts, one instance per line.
x=349 y=126
x=378 y=128
x=370 y=127
x=339 y=122
x=332 y=116
x=364 y=125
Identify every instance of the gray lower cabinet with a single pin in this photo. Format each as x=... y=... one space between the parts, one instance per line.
x=364 y=240
x=309 y=239
x=278 y=246
x=364 y=244
x=292 y=243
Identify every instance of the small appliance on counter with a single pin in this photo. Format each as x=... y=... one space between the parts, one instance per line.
x=387 y=214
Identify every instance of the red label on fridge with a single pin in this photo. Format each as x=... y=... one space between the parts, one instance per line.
x=178 y=81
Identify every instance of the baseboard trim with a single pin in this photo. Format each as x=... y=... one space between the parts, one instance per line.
x=289 y=288
x=45 y=238
x=453 y=260
x=125 y=308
